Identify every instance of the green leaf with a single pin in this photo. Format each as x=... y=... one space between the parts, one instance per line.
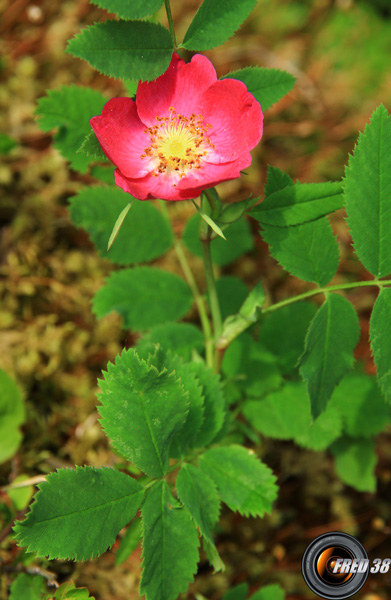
x=20 y=496
x=69 y=109
x=209 y=221
x=286 y=415
x=144 y=235
x=276 y=180
x=103 y=173
x=129 y=542
x=252 y=366
x=244 y=483
x=78 y=514
x=118 y=224
x=125 y=49
x=380 y=335
x=136 y=9
x=269 y=592
x=141 y=411
x=68 y=591
x=91 y=147
x=180 y=338
x=213 y=556
x=232 y=292
x=361 y=405
x=283 y=333
x=214 y=404
x=233 y=212
x=6 y=143
x=198 y=493
x=12 y=415
x=299 y=203
x=144 y=297
x=185 y=437
x=27 y=587
x=215 y=22
x=355 y=462
x=170 y=543
x=268 y=86
x=328 y=355
x=239 y=592
x=367 y=193
x=239 y=241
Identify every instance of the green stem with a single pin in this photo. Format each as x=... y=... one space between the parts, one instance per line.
x=211 y=286
x=198 y=299
x=238 y=323
x=325 y=290
x=171 y=23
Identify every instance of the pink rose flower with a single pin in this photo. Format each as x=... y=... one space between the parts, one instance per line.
x=185 y=132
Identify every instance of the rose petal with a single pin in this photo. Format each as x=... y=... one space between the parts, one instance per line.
x=236 y=118
x=121 y=135
x=180 y=87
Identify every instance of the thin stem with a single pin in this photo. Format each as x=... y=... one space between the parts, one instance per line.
x=198 y=299
x=171 y=23
x=211 y=285
x=325 y=290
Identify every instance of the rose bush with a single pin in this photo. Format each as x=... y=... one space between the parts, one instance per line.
x=185 y=132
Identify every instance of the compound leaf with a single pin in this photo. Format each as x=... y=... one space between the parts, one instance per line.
x=144 y=297
x=129 y=542
x=380 y=335
x=170 y=546
x=145 y=234
x=244 y=483
x=27 y=587
x=141 y=411
x=299 y=203
x=69 y=109
x=136 y=9
x=328 y=355
x=214 y=403
x=198 y=493
x=266 y=85
x=215 y=22
x=367 y=189
x=77 y=514
x=125 y=49
x=355 y=462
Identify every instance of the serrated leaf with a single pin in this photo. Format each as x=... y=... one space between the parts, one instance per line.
x=69 y=109
x=308 y=251
x=68 y=591
x=239 y=592
x=360 y=403
x=328 y=355
x=12 y=415
x=214 y=403
x=91 y=147
x=27 y=587
x=144 y=297
x=136 y=9
x=268 y=86
x=213 y=556
x=141 y=411
x=129 y=542
x=96 y=209
x=185 y=437
x=180 y=338
x=215 y=22
x=125 y=49
x=269 y=592
x=253 y=367
x=244 y=483
x=367 y=188
x=239 y=241
x=170 y=545
x=286 y=415
x=355 y=462
x=299 y=203
x=276 y=180
x=198 y=493
x=78 y=514
x=283 y=333
x=380 y=336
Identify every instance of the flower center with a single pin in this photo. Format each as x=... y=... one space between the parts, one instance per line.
x=178 y=143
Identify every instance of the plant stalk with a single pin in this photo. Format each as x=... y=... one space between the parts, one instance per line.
x=171 y=23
